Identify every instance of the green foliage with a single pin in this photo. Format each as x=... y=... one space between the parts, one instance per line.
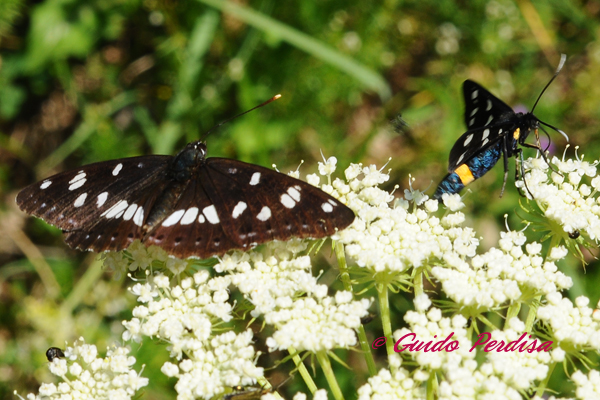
x=84 y=81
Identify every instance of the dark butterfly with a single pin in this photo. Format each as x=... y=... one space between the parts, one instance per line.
x=493 y=130
x=189 y=205
x=54 y=352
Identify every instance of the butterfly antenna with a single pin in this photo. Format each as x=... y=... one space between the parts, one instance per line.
x=563 y=58
x=277 y=96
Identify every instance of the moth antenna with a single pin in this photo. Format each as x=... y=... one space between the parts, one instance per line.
x=556 y=129
x=277 y=96
x=563 y=58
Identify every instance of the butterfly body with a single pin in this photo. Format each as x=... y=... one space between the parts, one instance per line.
x=189 y=205
x=494 y=131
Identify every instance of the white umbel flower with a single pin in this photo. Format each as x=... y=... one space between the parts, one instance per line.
x=88 y=377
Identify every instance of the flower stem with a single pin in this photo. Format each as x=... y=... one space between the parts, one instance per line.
x=544 y=384
x=432 y=386
x=513 y=311
x=418 y=282
x=532 y=315
x=362 y=335
x=384 y=308
x=303 y=371
x=329 y=375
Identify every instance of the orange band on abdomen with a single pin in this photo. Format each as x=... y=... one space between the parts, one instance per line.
x=464 y=173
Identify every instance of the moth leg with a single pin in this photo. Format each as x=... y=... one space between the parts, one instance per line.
x=519 y=167
x=521 y=163
x=504 y=155
x=538 y=147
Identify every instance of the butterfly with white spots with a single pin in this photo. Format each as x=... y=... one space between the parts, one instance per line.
x=189 y=205
x=494 y=130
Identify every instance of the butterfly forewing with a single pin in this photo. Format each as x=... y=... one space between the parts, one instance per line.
x=235 y=205
x=98 y=198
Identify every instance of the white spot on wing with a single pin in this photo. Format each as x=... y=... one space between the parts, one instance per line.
x=201 y=219
x=474 y=111
x=287 y=201
x=115 y=209
x=332 y=202
x=138 y=218
x=173 y=218
x=489 y=120
x=130 y=212
x=189 y=216
x=255 y=179
x=489 y=105
x=80 y=200
x=45 y=184
x=80 y=175
x=484 y=142
x=468 y=140
x=486 y=133
x=327 y=207
x=472 y=121
x=239 y=209
x=102 y=199
x=264 y=214
x=295 y=194
x=474 y=94
x=117 y=169
x=460 y=158
x=77 y=181
x=210 y=213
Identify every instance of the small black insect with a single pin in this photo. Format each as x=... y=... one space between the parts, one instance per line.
x=189 y=205
x=493 y=130
x=54 y=352
x=367 y=318
x=574 y=235
x=246 y=393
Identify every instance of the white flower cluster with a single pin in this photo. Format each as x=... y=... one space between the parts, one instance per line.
x=385 y=386
x=266 y=280
x=316 y=324
x=574 y=327
x=185 y=316
x=393 y=238
x=502 y=274
x=588 y=386
x=283 y=290
x=214 y=367
x=88 y=377
x=428 y=326
x=519 y=369
x=565 y=197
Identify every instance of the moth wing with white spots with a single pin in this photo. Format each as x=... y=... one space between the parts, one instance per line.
x=486 y=119
x=483 y=108
x=92 y=203
x=235 y=205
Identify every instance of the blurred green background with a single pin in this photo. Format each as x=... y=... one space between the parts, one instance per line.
x=91 y=80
